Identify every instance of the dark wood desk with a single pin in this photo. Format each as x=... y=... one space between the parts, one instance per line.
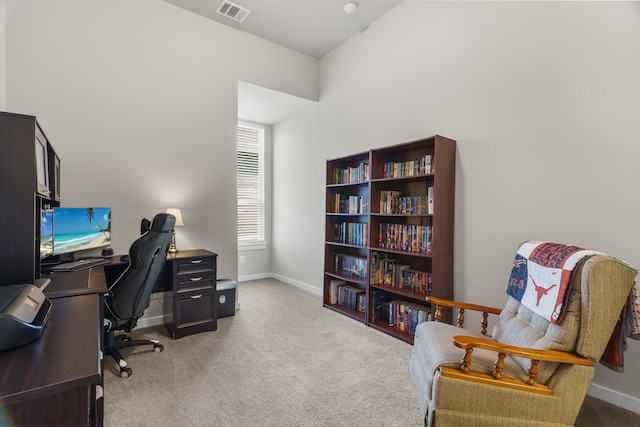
x=56 y=380
x=71 y=283
x=189 y=282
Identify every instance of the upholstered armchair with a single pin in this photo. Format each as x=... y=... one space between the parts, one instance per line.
x=530 y=371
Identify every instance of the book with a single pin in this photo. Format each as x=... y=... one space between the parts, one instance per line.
x=405 y=316
x=350 y=265
x=334 y=288
x=352 y=174
x=351 y=297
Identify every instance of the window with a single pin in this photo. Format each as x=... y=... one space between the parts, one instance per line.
x=250 y=186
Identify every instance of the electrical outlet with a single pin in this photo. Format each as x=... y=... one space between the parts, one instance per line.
x=242 y=259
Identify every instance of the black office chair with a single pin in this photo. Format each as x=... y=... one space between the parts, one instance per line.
x=130 y=294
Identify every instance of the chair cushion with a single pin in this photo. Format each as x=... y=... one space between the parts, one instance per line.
x=519 y=326
x=433 y=347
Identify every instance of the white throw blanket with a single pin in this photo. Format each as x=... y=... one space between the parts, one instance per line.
x=541 y=276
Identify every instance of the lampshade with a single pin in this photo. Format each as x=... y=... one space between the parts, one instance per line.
x=176 y=212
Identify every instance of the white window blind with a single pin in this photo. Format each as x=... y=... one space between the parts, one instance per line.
x=250 y=184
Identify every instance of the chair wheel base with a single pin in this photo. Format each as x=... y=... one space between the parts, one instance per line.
x=126 y=372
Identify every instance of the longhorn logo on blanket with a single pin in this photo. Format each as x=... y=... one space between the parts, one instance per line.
x=541 y=276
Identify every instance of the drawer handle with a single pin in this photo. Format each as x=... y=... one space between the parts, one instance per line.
x=196 y=279
x=196 y=261
x=196 y=296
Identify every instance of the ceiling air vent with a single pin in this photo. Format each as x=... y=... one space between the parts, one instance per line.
x=233 y=11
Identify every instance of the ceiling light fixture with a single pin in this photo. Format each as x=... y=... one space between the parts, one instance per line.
x=350 y=7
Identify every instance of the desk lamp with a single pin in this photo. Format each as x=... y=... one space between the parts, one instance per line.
x=179 y=223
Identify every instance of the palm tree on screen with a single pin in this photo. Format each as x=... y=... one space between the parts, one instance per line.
x=91 y=217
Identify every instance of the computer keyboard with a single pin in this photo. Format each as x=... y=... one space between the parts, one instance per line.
x=81 y=264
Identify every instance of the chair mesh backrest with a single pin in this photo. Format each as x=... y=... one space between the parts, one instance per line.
x=595 y=301
x=129 y=296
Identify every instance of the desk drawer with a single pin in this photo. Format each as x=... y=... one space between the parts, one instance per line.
x=201 y=265
x=195 y=309
x=195 y=313
x=195 y=282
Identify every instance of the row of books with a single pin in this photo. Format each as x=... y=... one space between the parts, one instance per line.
x=390 y=272
x=350 y=265
x=403 y=316
x=423 y=166
x=392 y=202
x=352 y=233
x=343 y=203
x=349 y=296
x=352 y=175
x=406 y=238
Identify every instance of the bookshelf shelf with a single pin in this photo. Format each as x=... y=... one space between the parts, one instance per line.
x=357 y=315
x=400 y=292
x=397 y=204
x=337 y=275
x=384 y=327
x=403 y=178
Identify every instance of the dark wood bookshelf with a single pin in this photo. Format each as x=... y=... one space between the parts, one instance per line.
x=401 y=172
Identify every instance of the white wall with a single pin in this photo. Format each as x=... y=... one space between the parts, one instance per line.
x=543 y=99
x=3 y=54
x=140 y=101
x=298 y=199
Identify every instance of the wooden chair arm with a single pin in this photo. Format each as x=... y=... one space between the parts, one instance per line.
x=462 y=306
x=528 y=384
x=465 y=305
x=467 y=342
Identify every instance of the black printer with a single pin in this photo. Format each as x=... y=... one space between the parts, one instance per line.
x=24 y=311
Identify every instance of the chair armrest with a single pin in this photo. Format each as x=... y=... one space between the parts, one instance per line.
x=462 y=306
x=465 y=305
x=467 y=342
x=528 y=384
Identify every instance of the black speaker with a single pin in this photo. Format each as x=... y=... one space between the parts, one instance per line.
x=107 y=252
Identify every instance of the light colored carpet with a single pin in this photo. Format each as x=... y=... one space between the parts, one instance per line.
x=282 y=360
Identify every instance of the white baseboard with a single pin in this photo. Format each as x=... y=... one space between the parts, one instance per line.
x=296 y=283
x=254 y=277
x=615 y=397
x=145 y=322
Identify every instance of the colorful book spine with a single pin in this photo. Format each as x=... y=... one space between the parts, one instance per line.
x=405 y=316
x=422 y=166
x=334 y=289
x=351 y=297
x=352 y=175
x=406 y=238
x=352 y=233
x=393 y=203
x=350 y=265
x=350 y=204
x=389 y=272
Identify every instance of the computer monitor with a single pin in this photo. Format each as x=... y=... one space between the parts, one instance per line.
x=80 y=229
x=46 y=233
